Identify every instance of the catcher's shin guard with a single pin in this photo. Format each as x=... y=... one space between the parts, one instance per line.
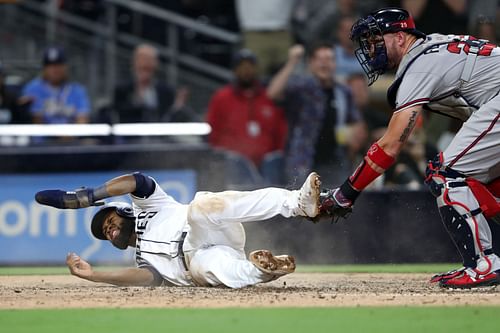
x=461 y=233
x=464 y=220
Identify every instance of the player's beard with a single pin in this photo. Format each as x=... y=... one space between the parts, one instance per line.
x=127 y=228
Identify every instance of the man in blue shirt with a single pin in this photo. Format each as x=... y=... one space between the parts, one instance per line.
x=53 y=99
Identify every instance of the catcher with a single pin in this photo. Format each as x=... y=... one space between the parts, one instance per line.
x=457 y=76
x=199 y=244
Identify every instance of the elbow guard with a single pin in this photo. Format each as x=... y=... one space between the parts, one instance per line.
x=144 y=185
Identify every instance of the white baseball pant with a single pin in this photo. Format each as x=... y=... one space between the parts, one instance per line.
x=214 y=246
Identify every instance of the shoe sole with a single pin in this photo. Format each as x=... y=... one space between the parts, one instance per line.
x=274 y=265
x=314 y=184
x=489 y=283
x=444 y=278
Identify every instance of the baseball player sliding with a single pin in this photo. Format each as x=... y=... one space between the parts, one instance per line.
x=199 y=244
x=457 y=76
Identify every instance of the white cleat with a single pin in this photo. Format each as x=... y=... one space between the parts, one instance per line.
x=308 y=201
x=274 y=265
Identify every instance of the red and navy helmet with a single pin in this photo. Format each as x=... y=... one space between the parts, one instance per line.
x=368 y=32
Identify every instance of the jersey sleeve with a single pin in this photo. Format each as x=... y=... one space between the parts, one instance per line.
x=416 y=88
x=158 y=199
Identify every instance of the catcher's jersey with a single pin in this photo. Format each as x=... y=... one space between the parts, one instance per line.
x=159 y=226
x=430 y=74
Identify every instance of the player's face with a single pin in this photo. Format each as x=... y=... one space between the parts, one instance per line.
x=391 y=45
x=117 y=230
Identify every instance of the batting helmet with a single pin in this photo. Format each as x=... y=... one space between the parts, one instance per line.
x=368 y=32
x=121 y=208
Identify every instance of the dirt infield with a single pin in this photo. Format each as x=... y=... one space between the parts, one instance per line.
x=299 y=289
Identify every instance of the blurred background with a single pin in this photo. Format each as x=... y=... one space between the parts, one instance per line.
x=211 y=95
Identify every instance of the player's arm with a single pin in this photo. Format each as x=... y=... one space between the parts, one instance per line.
x=381 y=155
x=126 y=277
x=137 y=184
x=399 y=129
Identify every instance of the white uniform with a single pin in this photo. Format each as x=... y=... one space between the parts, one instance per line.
x=215 y=240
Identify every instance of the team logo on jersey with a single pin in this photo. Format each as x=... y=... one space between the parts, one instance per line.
x=143 y=219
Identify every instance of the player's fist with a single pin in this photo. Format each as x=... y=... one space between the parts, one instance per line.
x=295 y=53
x=81 y=198
x=78 y=267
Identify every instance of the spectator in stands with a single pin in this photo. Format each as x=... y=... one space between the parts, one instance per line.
x=442 y=16
x=485 y=29
x=146 y=98
x=484 y=10
x=347 y=63
x=89 y=9
x=323 y=120
x=10 y=109
x=265 y=25
x=376 y=120
x=243 y=119
x=53 y=98
x=312 y=20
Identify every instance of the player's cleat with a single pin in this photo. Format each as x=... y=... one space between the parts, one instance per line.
x=274 y=265
x=469 y=278
x=446 y=276
x=308 y=201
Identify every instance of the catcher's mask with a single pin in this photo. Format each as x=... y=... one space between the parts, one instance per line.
x=368 y=33
x=123 y=210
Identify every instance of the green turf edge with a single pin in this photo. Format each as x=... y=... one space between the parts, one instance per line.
x=378 y=268
x=252 y=320
x=370 y=268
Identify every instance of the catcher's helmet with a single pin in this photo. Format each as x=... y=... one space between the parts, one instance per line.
x=368 y=32
x=121 y=208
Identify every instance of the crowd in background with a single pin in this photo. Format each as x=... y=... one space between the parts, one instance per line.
x=299 y=100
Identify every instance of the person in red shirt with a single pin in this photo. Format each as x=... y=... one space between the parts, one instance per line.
x=243 y=118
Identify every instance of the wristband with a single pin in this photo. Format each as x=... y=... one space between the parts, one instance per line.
x=348 y=191
x=365 y=173
x=98 y=193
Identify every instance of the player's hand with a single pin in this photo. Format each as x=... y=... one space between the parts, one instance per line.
x=333 y=204
x=295 y=53
x=78 y=267
x=80 y=198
